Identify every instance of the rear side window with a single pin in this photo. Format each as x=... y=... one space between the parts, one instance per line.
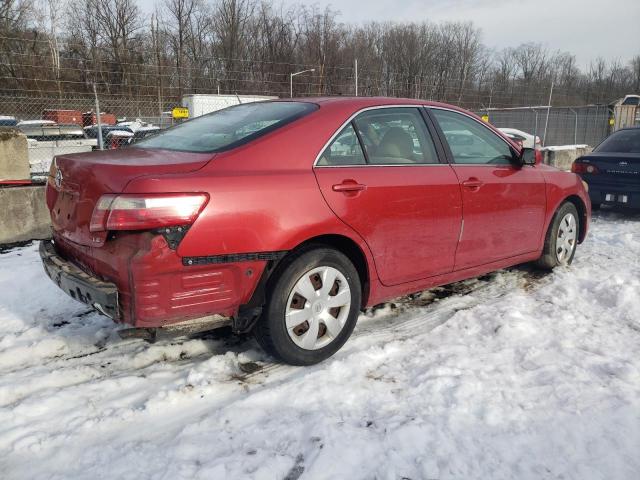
x=228 y=128
x=470 y=142
x=395 y=136
x=344 y=150
x=622 y=141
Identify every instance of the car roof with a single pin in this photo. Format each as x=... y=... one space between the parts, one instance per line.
x=351 y=105
x=364 y=102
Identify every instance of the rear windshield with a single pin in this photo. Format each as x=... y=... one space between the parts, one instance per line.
x=228 y=128
x=623 y=141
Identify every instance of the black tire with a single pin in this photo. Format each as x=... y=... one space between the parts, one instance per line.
x=271 y=331
x=549 y=259
x=595 y=206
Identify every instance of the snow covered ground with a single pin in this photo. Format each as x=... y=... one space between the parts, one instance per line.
x=515 y=375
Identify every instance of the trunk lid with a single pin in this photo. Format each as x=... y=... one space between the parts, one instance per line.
x=77 y=182
x=614 y=167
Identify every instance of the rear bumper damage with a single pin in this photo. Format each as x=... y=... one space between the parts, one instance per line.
x=103 y=296
x=138 y=280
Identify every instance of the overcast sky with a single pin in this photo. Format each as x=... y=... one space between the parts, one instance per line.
x=587 y=28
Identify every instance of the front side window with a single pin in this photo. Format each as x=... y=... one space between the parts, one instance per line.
x=471 y=142
x=344 y=150
x=395 y=136
x=228 y=128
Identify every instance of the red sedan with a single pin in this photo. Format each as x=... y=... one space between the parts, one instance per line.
x=286 y=218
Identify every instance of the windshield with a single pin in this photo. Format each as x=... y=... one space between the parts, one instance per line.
x=622 y=141
x=228 y=128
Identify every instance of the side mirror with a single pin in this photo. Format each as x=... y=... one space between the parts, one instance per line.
x=527 y=157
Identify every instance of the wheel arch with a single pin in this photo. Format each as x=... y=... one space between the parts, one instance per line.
x=582 y=213
x=351 y=250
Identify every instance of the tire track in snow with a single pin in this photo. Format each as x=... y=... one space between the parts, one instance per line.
x=410 y=313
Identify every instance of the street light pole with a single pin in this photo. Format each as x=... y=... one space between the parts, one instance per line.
x=291 y=75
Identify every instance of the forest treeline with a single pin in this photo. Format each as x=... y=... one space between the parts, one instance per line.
x=62 y=47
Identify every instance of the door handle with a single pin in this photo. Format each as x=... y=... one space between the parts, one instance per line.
x=472 y=183
x=349 y=186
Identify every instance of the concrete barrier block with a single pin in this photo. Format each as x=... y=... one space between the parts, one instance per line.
x=23 y=214
x=14 y=157
x=564 y=155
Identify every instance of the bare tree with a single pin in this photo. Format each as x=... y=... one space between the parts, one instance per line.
x=230 y=21
x=178 y=18
x=251 y=46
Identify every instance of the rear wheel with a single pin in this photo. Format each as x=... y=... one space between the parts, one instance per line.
x=562 y=238
x=312 y=307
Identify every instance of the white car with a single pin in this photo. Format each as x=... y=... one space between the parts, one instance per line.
x=23 y=123
x=523 y=138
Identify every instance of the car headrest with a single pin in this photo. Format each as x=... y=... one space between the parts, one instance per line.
x=396 y=143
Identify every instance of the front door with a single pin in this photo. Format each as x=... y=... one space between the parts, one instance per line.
x=503 y=204
x=381 y=175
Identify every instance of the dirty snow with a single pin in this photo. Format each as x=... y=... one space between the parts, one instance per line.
x=515 y=375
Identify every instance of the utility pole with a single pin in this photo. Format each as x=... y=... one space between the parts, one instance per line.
x=98 y=121
x=356 y=69
x=546 y=122
x=291 y=75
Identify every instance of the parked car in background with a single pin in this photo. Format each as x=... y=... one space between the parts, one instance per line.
x=144 y=132
x=523 y=139
x=612 y=170
x=52 y=131
x=286 y=218
x=122 y=134
x=92 y=132
x=8 y=121
x=117 y=139
x=24 y=123
x=631 y=100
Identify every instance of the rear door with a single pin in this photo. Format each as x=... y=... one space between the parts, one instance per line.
x=503 y=205
x=381 y=174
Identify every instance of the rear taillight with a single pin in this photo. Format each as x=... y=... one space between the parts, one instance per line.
x=145 y=212
x=578 y=167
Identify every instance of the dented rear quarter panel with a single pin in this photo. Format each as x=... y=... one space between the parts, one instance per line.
x=264 y=196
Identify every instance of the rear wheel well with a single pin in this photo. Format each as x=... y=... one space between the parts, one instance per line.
x=249 y=313
x=582 y=212
x=349 y=248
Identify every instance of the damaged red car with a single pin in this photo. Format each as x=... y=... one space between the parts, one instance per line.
x=287 y=218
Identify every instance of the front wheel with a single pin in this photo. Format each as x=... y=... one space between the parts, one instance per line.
x=312 y=307
x=562 y=238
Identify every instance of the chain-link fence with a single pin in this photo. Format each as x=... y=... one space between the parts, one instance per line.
x=556 y=125
x=67 y=124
